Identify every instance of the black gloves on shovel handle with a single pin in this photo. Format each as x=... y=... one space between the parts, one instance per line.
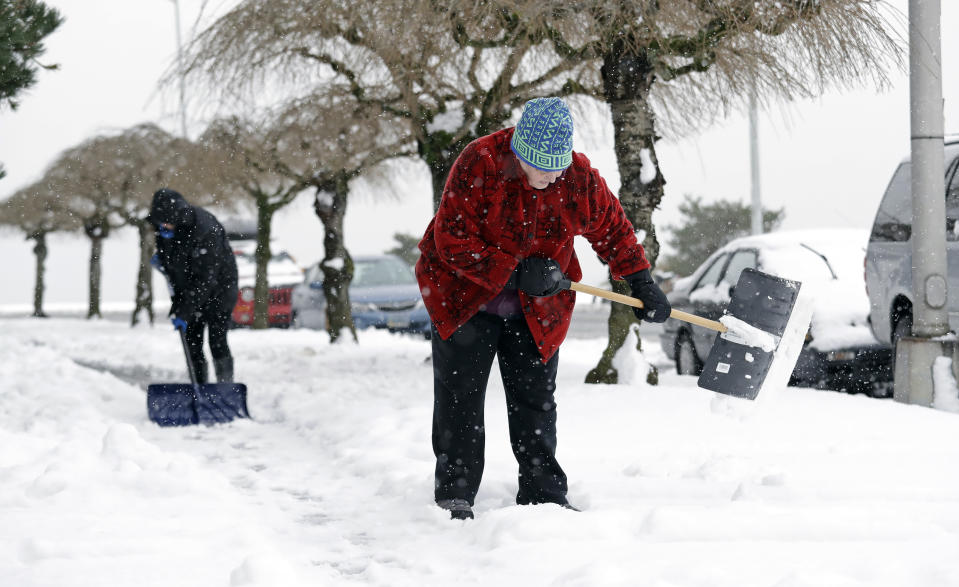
x=539 y=277
x=656 y=307
x=542 y=277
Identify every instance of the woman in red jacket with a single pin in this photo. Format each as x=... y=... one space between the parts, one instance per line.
x=493 y=264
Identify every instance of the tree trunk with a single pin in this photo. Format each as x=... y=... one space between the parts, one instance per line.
x=337 y=265
x=40 y=251
x=144 y=289
x=93 y=305
x=621 y=317
x=96 y=229
x=263 y=254
x=439 y=151
x=627 y=80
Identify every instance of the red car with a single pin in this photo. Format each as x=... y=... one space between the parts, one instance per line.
x=282 y=274
x=279 y=310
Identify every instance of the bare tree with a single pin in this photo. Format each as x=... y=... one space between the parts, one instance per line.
x=454 y=70
x=320 y=142
x=136 y=163
x=77 y=178
x=37 y=211
x=331 y=140
x=108 y=182
x=239 y=158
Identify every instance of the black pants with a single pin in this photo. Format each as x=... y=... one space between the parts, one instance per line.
x=461 y=368
x=217 y=323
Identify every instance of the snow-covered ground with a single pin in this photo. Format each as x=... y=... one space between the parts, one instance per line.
x=331 y=482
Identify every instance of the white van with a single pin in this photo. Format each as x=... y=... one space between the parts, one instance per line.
x=889 y=253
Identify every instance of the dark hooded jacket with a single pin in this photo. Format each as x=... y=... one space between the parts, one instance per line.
x=198 y=261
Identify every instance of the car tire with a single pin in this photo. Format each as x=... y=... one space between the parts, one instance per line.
x=902 y=327
x=687 y=361
x=880 y=389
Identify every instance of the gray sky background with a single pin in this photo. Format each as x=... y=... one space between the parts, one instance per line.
x=826 y=161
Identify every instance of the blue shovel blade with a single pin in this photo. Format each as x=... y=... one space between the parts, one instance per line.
x=221 y=402
x=183 y=404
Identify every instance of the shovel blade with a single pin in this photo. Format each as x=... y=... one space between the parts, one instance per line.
x=171 y=404
x=765 y=302
x=184 y=404
x=734 y=369
x=221 y=402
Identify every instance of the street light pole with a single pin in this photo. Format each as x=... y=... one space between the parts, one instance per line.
x=757 y=206
x=179 y=60
x=915 y=355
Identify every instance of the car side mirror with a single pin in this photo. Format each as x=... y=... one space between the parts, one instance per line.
x=316 y=285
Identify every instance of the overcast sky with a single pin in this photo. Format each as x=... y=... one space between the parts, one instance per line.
x=826 y=161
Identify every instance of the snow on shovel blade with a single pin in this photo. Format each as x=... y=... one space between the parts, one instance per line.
x=742 y=360
x=183 y=404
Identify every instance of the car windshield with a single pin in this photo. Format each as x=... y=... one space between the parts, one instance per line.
x=386 y=271
x=806 y=264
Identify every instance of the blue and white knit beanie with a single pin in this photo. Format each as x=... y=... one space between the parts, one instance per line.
x=544 y=135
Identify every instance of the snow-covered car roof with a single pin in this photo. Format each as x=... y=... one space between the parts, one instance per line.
x=783 y=253
x=282 y=269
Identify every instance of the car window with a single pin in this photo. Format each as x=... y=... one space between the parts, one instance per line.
x=952 y=201
x=385 y=271
x=894 y=219
x=711 y=276
x=707 y=290
x=314 y=274
x=739 y=261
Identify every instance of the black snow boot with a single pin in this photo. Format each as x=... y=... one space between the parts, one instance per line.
x=200 y=370
x=224 y=369
x=459 y=509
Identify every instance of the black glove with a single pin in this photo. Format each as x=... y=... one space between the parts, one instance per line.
x=538 y=277
x=656 y=307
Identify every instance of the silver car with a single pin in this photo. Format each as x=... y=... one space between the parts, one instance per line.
x=383 y=294
x=889 y=254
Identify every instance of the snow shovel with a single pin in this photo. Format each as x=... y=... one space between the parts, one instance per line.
x=758 y=340
x=182 y=404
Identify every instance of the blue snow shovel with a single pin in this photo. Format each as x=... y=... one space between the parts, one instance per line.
x=183 y=404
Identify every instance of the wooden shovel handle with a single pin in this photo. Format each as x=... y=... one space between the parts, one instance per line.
x=677 y=314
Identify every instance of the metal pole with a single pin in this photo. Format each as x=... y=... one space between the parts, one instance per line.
x=930 y=316
x=757 y=207
x=179 y=59
x=915 y=355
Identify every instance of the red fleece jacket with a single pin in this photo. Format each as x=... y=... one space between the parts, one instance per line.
x=489 y=218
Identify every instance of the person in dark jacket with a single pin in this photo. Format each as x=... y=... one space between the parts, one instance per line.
x=492 y=272
x=198 y=262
